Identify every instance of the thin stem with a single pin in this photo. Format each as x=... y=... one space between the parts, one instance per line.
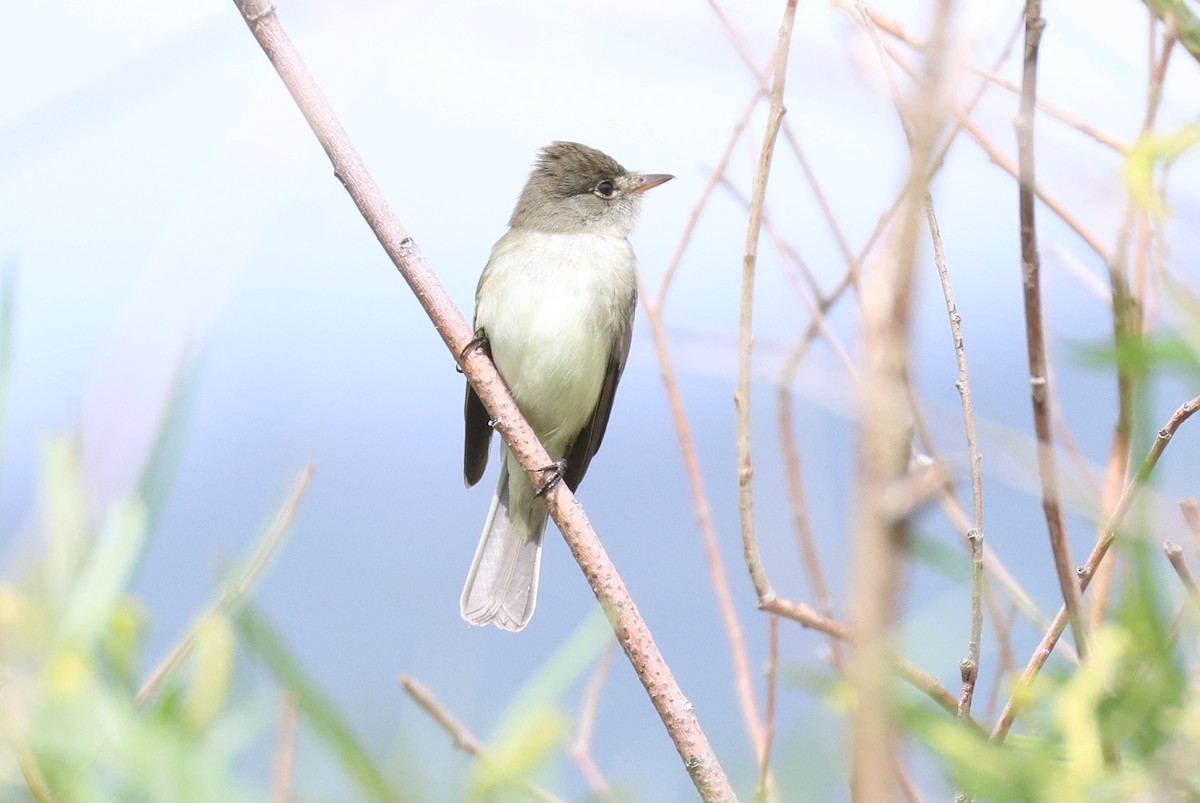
x=1042 y=653
x=285 y=750
x=899 y=32
x=1035 y=335
x=702 y=202
x=885 y=439
x=581 y=746
x=970 y=665
x=772 y=669
x=741 y=398
x=1174 y=553
x=463 y=738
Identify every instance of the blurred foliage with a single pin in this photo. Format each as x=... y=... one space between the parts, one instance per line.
x=71 y=647
x=1135 y=697
x=1148 y=163
x=70 y=642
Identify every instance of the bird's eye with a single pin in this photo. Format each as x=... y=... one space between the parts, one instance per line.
x=604 y=189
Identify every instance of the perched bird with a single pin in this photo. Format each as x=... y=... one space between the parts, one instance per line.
x=554 y=308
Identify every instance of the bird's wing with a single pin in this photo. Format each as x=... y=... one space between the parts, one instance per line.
x=478 y=438
x=587 y=443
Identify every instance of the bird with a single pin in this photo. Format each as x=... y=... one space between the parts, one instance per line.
x=554 y=308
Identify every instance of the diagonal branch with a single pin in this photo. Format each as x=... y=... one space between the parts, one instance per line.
x=673 y=708
x=1042 y=653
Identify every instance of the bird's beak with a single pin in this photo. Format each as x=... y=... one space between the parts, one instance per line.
x=648 y=180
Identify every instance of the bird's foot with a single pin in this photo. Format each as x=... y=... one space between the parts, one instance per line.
x=556 y=472
x=477 y=343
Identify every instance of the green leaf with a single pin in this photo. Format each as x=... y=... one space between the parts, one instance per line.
x=104 y=577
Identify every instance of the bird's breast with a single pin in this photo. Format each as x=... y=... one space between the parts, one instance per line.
x=552 y=306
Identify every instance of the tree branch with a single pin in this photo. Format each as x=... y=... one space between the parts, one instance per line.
x=668 y=700
x=1035 y=339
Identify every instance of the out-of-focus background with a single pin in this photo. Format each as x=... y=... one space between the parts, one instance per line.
x=173 y=244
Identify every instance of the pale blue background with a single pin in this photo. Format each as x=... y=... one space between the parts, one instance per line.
x=161 y=198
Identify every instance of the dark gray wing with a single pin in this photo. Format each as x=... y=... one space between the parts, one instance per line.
x=587 y=443
x=478 y=438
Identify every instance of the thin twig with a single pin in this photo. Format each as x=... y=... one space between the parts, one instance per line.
x=463 y=738
x=898 y=31
x=1042 y=653
x=673 y=708
x=1190 y=508
x=1174 y=553
x=285 y=750
x=229 y=598
x=810 y=557
x=970 y=665
x=997 y=157
x=918 y=678
x=1035 y=335
x=772 y=669
x=581 y=746
x=718 y=576
x=1126 y=301
x=693 y=219
x=741 y=398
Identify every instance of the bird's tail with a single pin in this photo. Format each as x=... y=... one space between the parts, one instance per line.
x=502 y=584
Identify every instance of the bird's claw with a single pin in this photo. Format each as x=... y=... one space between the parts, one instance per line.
x=479 y=341
x=556 y=472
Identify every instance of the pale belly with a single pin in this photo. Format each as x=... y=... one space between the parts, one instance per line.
x=552 y=307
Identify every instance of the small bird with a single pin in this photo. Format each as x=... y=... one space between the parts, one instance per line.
x=554 y=308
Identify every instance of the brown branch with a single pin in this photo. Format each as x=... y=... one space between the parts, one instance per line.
x=285 y=750
x=1126 y=301
x=899 y=32
x=741 y=398
x=1035 y=335
x=673 y=708
x=463 y=738
x=580 y=749
x=976 y=133
x=884 y=437
x=764 y=759
x=970 y=664
x=918 y=678
x=1190 y=508
x=701 y=203
x=1174 y=553
x=1042 y=653
x=718 y=577
x=810 y=557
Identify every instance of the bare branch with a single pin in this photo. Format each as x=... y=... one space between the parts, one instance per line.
x=285 y=750
x=1042 y=653
x=764 y=759
x=581 y=746
x=1174 y=553
x=463 y=738
x=1039 y=382
x=741 y=397
x=673 y=708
